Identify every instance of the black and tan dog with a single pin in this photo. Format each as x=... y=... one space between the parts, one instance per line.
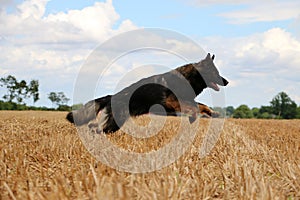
x=175 y=91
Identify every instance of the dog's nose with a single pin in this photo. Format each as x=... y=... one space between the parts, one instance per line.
x=225 y=82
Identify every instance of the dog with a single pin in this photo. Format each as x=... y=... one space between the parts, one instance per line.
x=174 y=91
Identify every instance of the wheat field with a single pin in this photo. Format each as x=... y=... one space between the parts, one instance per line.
x=43 y=157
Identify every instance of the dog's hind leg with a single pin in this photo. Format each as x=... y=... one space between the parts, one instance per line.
x=89 y=111
x=110 y=120
x=104 y=124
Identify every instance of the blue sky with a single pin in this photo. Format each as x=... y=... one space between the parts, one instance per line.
x=257 y=44
x=177 y=15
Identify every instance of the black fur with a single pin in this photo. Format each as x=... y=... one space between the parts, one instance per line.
x=175 y=91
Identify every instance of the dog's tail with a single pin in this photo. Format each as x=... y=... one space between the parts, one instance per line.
x=89 y=111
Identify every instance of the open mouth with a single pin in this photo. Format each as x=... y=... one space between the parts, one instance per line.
x=214 y=86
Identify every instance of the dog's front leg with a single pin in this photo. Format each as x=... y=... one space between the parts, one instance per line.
x=182 y=106
x=206 y=111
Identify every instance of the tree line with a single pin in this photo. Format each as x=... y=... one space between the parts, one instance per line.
x=281 y=107
x=17 y=92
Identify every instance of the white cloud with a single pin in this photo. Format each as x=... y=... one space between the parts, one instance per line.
x=28 y=24
x=183 y=47
x=51 y=48
x=94 y=22
x=264 y=11
x=255 y=10
x=214 y=2
x=257 y=63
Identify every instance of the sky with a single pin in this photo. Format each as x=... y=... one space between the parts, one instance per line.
x=256 y=43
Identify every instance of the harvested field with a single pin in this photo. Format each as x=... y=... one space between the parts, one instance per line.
x=42 y=157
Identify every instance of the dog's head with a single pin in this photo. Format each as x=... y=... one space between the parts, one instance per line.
x=210 y=73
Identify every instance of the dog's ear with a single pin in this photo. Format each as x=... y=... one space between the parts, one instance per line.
x=208 y=56
x=213 y=57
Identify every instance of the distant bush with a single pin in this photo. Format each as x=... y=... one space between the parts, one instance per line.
x=77 y=106
x=8 y=105
x=64 y=108
x=15 y=106
x=243 y=111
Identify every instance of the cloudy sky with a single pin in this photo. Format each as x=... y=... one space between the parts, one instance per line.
x=257 y=43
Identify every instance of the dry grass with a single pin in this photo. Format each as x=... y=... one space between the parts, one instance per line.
x=42 y=157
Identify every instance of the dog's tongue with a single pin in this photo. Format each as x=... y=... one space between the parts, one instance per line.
x=214 y=86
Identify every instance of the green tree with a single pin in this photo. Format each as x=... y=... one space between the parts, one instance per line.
x=255 y=112
x=10 y=82
x=265 y=115
x=19 y=90
x=63 y=100
x=59 y=98
x=298 y=113
x=265 y=112
x=243 y=111
x=33 y=90
x=283 y=106
x=52 y=96
x=229 y=111
x=264 y=109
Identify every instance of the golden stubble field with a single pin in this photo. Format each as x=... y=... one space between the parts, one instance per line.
x=42 y=157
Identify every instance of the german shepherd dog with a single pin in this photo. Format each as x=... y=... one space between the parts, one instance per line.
x=175 y=91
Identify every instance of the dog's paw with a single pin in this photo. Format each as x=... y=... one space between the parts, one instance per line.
x=215 y=114
x=192 y=119
x=94 y=127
